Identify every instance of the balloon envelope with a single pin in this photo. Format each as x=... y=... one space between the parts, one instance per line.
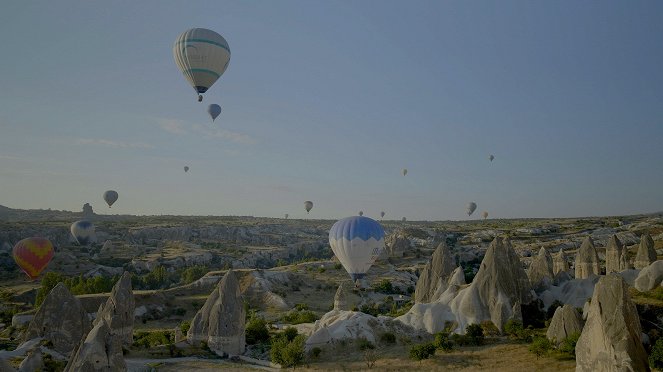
x=404 y=171
x=186 y=169
x=110 y=197
x=491 y=157
x=357 y=242
x=82 y=231
x=404 y=219
x=202 y=55
x=214 y=110
x=361 y=213
x=484 y=214
x=286 y=216
x=471 y=207
x=382 y=214
x=308 y=205
x=32 y=255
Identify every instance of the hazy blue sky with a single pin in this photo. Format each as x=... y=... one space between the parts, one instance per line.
x=328 y=100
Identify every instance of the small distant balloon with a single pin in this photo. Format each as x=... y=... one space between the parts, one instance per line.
x=404 y=219
x=286 y=216
x=214 y=110
x=382 y=214
x=186 y=169
x=82 y=231
x=404 y=171
x=110 y=197
x=484 y=214
x=491 y=157
x=32 y=255
x=361 y=213
x=308 y=205
x=471 y=207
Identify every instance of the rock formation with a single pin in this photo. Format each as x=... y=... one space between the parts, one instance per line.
x=341 y=298
x=32 y=362
x=564 y=323
x=101 y=350
x=540 y=272
x=650 y=277
x=560 y=262
x=118 y=311
x=5 y=366
x=60 y=320
x=613 y=254
x=220 y=322
x=397 y=244
x=646 y=252
x=87 y=211
x=610 y=340
x=434 y=277
x=498 y=290
x=587 y=260
x=624 y=261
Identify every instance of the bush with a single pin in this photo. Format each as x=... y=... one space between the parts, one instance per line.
x=184 y=326
x=290 y=333
x=656 y=355
x=256 y=331
x=442 y=342
x=540 y=346
x=338 y=266
x=364 y=344
x=316 y=352
x=384 y=286
x=152 y=339
x=193 y=273
x=300 y=307
x=388 y=338
x=298 y=317
x=422 y=351
x=568 y=345
x=474 y=333
x=288 y=353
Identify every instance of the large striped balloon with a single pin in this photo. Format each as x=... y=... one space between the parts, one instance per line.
x=32 y=255
x=202 y=55
x=357 y=242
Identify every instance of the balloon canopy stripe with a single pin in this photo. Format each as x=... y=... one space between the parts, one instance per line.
x=226 y=47
x=204 y=71
x=27 y=267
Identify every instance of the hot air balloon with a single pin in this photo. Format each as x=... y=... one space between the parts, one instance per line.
x=203 y=56
x=32 y=255
x=361 y=213
x=83 y=231
x=382 y=214
x=308 y=205
x=484 y=214
x=186 y=168
x=471 y=207
x=404 y=171
x=357 y=242
x=110 y=197
x=286 y=216
x=214 y=110
x=404 y=219
x=491 y=157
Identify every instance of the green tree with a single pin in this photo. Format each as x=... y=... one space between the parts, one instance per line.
x=422 y=351
x=475 y=334
x=288 y=353
x=540 y=346
x=442 y=342
x=256 y=331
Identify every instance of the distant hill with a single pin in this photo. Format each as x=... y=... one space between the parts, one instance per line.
x=9 y=214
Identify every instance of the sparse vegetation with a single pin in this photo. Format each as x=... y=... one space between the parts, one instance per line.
x=298 y=317
x=288 y=353
x=656 y=355
x=77 y=285
x=388 y=338
x=540 y=346
x=443 y=342
x=256 y=330
x=422 y=351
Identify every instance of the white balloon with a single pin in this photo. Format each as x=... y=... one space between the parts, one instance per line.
x=357 y=242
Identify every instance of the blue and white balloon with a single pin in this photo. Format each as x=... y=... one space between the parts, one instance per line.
x=83 y=232
x=214 y=110
x=357 y=242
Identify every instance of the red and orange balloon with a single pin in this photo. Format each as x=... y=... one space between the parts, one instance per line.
x=32 y=255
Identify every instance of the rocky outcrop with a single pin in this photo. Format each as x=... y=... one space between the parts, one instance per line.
x=540 y=273
x=100 y=351
x=220 y=322
x=32 y=362
x=341 y=298
x=498 y=290
x=587 y=260
x=397 y=244
x=610 y=340
x=60 y=320
x=613 y=254
x=5 y=366
x=118 y=310
x=624 y=261
x=560 y=262
x=646 y=253
x=650 y=277
x=564 y=323
x=435 y=275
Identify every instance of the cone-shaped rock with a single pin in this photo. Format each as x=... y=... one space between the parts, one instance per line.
x=613 y=254
x=435 y=275
x=646 y=252
x=624 y=261
x=100 y=351
x=560 y=262
x=118 y=311
x=60 y=320
x=650 y=277
x=397 y=244
x=341 y=298
x=220 y=322
x=587 y=260
x=498 y=290
x=610 y=340
x=33 y=362
x=540 y=272
x=564 y=323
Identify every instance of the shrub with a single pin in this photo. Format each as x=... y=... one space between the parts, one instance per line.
x=384 y=286
x=568 y=345
x=489 y=329
x=316 y=352
x=513 y=328
x=300 y=307
x=290 y=333
x=193 y=273
x=338 y=266
x=288 y=353
x=540 y=346
x=256 y=331
x=388 y=338
x=442 y=342
x=370 y=357
x=422 y=351
x=474 y=333
x=364 y=344
x=184 y=326
x=298 y=317
x=656 y=355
